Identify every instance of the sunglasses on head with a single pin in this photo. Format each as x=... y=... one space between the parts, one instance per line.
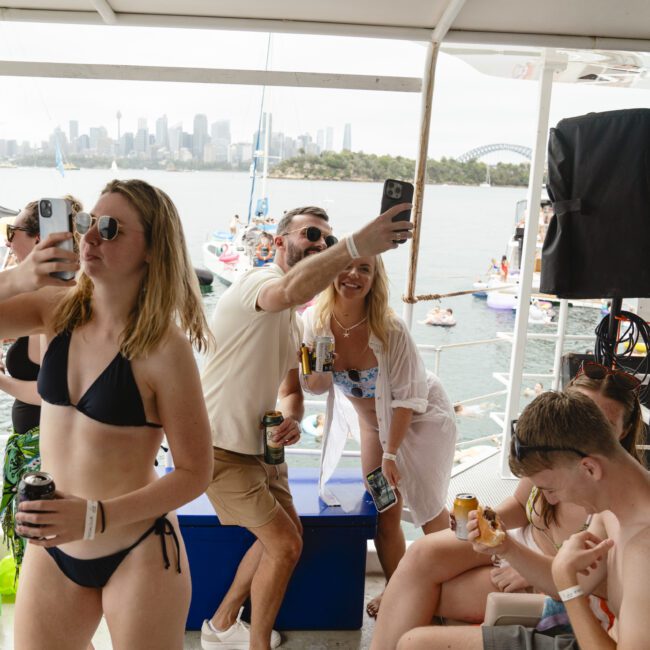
x=519 y=449
x=313 y=234
x=107 y=227
x=355 y=377
x=11 y=231
x=622 y=379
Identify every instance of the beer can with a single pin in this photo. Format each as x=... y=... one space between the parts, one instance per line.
x=323 y=353
x=305 y=359
x=273 y=451
x=463 y=504
x=35 y=486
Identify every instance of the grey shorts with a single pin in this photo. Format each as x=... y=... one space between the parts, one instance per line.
x=516 y=637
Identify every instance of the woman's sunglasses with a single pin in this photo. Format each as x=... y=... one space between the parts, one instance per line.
x=355 y=377
x=622 y=379
x=313 y=234
x=11 y=231
x=107 y=227
x=519 y=449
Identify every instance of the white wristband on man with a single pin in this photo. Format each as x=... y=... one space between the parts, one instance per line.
x=570 y=593
x=388 y=456
x=351 y=246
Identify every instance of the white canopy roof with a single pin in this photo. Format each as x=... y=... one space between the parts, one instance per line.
x=588 y=24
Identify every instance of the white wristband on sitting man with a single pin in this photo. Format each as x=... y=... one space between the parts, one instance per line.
x=388 y=456
x=570 y=593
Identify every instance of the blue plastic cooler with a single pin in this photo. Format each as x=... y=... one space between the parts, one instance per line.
x=326 y=590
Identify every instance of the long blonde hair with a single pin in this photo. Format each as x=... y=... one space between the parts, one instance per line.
x=169 y=291
x=380 y=315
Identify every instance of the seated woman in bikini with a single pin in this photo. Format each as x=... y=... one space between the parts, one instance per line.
x=110 y=543
x=443 y=576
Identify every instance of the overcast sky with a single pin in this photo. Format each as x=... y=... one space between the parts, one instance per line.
x=470 y=108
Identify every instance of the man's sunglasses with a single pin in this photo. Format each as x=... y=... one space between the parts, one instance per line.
x=107 y=227
x=11 y=231
x=622 y=379
x=313 y=234
x=355 y=377
x=519 y=449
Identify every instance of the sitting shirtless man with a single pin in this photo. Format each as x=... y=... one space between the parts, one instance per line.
x=564 y=444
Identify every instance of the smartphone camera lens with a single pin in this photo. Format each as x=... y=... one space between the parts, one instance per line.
x=45 y=208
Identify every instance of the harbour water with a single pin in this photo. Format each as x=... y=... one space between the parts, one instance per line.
x=463 y=228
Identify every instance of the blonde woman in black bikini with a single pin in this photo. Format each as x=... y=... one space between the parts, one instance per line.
x=117 y=373
x=443 y=576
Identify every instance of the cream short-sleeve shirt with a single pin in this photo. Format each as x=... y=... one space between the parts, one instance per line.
x=253 y=353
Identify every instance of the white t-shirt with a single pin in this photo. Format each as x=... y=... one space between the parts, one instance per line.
x=254 y=351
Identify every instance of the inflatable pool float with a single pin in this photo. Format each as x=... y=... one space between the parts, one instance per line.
x=310 y=428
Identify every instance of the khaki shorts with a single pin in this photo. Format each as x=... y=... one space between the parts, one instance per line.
x=516 y=637
x=247 y=492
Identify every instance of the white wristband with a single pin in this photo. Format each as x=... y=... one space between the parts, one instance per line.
x=570 y=593
x=91 y=520
x=387 y=456
x=351 y=246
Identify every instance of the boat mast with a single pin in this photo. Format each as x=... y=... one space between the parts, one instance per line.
x=449 y=15
x=257 y=139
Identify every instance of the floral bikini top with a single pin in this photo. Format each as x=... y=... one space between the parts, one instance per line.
x=357 y=383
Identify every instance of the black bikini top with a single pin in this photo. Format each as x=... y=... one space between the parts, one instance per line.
x=113 y=398
x=18 y=363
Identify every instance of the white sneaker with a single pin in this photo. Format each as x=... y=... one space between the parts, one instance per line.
x=236 y=637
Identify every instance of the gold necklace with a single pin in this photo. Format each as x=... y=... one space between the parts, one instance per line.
x=347 y=330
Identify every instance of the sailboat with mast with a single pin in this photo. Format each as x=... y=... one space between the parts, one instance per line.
x=229 y=254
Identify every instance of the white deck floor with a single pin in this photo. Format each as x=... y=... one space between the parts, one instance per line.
x=301 y=640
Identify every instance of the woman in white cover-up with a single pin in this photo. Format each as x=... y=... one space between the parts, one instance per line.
x=380 y=391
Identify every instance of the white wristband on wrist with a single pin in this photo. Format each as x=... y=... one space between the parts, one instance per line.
x=351 y=246
x=91 y=520
x=388 y=456
x=570 y=593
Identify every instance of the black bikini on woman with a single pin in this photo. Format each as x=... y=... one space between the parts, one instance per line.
x=113 y=398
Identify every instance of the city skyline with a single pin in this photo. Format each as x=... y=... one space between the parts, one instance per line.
x=208 y=142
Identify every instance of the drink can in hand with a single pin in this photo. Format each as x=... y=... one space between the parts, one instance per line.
x=273 y=451
x=463 y=504
x=323 y=353
x=35 y=486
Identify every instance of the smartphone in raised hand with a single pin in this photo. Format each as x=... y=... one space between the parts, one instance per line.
x=394 y=193
x=382 y=494
x=55 y=215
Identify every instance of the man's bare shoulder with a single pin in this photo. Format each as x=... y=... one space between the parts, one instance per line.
x=639 y=543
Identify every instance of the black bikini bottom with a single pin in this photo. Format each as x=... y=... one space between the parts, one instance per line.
x=96 y=572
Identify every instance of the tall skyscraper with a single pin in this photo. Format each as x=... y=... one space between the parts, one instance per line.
x=162 y=134
x=329 y=138
x=175 y=134
x=73 y=129
x=320 y=139
x=141 y=143
x=201 y=137
x=347 y=137
x=221 y=140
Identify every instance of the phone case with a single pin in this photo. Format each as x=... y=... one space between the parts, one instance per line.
x=382 y=494
x=55 y=215
x=396 y=192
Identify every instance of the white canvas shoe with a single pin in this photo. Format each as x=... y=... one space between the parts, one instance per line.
x=236 y=637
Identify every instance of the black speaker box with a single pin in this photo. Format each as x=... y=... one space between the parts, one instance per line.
x=598 y=241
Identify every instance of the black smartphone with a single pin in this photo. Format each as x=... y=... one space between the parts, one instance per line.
x=382 y=494
x=396 y=192
x=55 y=215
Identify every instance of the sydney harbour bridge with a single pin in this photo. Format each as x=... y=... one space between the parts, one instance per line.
x=479 y=152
